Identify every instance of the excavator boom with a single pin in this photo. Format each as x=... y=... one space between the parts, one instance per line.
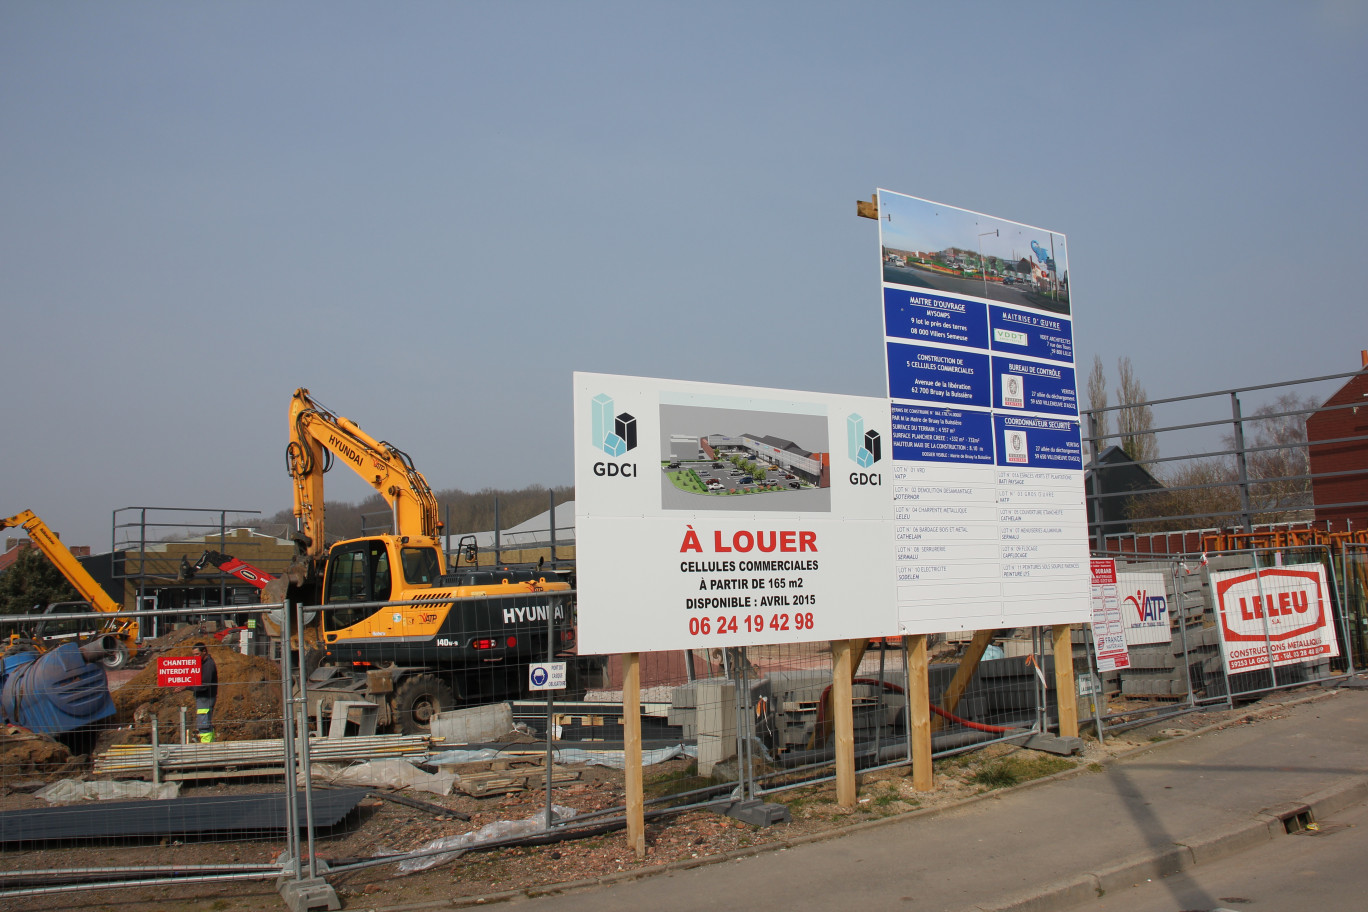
x=47 y=541
x=317 y=436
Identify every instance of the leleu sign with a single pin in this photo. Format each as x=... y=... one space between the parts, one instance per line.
x=1279 y=615
x=183 y=671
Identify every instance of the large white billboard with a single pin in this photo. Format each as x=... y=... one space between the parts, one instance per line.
x=988 y=465
x=712 y=516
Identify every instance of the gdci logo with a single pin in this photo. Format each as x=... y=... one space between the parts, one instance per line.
x=864 y=449
x=614 y=435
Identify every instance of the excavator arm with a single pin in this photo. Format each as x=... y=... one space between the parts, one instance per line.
x=317 y=436
x=125 y=629
x=47 y=541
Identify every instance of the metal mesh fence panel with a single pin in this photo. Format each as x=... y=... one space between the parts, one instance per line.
x=123 y=774
x=361 y=743
x=1009 y=693
x=1353 y=577
x=1279 y=617
x=1162 y=609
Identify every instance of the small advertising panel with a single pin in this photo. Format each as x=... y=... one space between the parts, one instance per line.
x=1278 y=616
x=712 y=516
x=986 y=450
x=1144 y=605
x=1108 y=627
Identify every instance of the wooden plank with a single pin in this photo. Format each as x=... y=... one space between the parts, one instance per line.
x=502 y=782
x=968 y=664
x=631 y=735
x=919 y=710
x=1066 y=691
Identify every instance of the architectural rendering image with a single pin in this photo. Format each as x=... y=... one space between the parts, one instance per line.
x=721 y=459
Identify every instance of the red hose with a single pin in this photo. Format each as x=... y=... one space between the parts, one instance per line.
x=977 y=726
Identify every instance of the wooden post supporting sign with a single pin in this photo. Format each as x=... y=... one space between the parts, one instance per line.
x=631 y=753
x=1066 y=692
x=919 y=709
x=843 y=717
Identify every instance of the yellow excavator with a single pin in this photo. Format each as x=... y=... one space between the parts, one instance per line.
x=120 y=632
x=470 y=635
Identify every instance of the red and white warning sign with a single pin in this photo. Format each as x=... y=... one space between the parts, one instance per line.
x=1108 y=626
x=1282 y=612
x=182 y=671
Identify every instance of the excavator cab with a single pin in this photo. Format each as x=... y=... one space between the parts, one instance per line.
x=362 y=571
x=357 y=571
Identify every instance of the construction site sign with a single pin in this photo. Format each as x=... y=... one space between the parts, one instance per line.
x=546 y=676
x=181 y=671
x=987 y=459
x=712 y=515
x=1277 y=616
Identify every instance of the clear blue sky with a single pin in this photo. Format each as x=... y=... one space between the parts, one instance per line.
x=432 y=213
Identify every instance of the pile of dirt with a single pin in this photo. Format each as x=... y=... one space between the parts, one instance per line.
x=24 y=753
x=181 y=634
x=248 y=706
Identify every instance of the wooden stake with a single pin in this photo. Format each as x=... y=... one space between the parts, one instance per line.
x=631 y=753
x=1066 y=693
x=919 y=712
x=843 y=717
x=963 y=675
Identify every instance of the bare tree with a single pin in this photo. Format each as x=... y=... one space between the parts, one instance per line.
x=1277 y=460
x=1135 y=418
x=1197 y=494
x=1097 y=403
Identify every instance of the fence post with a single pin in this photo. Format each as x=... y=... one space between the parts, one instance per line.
x=1181 y=618
x=288 y=743
x=1241 y=465
x=1346 y=645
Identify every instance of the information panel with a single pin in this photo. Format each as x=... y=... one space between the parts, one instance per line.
x=710 y=515
x=989 y=518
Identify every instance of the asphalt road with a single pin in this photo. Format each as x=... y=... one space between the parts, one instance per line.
x=1308 y=871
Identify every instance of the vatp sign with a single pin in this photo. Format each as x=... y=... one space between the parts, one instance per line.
x=1279 y=616
x=1144 y=605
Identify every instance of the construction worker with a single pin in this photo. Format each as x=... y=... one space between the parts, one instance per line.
x=205 y=693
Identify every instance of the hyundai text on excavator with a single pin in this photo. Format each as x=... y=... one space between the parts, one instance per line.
x=464 y=637
x=120 y=632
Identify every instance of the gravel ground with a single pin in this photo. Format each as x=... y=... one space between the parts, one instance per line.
x=691 y=837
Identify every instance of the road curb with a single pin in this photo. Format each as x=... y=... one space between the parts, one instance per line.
x=1219 y=843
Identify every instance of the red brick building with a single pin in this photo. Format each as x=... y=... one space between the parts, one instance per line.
x=1337 y=438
